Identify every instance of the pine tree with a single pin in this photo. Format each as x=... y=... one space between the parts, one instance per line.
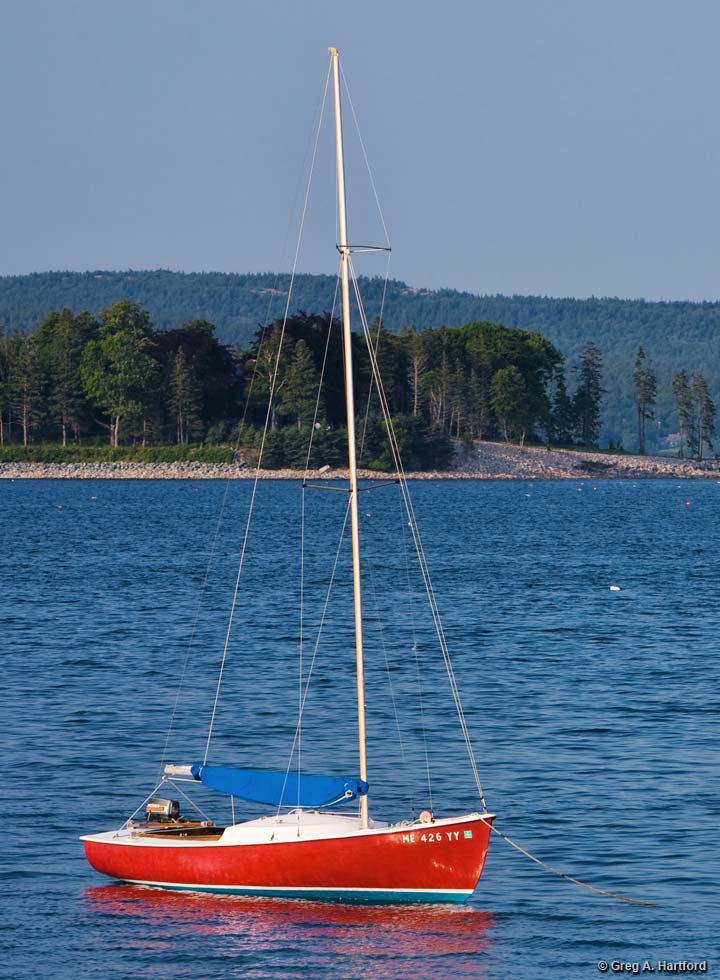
x=61 y=339
x=25 y=384
x=184 y=400
x=300 y=389
x=645 y=384
x=703 y=416
x=562 y=416
x=459 y=401
x=481 y=373
x=4 y=385
x=683 y=403
x=392 y=363
x=478 y=406
x=588 y=395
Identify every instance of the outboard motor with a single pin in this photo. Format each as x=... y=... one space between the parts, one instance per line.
x=162 y=811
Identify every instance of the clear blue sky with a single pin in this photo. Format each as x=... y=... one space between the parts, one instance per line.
x=557 y=147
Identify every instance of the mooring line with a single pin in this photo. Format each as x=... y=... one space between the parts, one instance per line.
x=566 y=877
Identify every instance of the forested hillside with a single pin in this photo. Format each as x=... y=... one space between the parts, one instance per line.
x=675 y=335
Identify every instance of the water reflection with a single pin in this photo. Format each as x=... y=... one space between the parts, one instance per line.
x=381 y=934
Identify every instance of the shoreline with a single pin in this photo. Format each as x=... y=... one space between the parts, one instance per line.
x=485 y=461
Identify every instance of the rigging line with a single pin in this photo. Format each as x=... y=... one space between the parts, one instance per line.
x=302 y=623
x=302 y=540
x=193 y=632
x=371 y=384
x=244 y=545
x=435 y=612
x=139 y=808
x=367 y=162
x=387 y=242
x=381 y=631
x=189 y=800
x=305 y=202
x=418 y=674
x=315 y=651
x=271 y=299
x=320 y=383
x=385 y=285
x=147 y=799
x=268 y=416
x=422 y=561
x=421 y=556
x=567 y=877
x=377 y=344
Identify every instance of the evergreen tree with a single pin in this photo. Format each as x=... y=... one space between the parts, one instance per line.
x=479 y=350
x=329 y=447
x=683 y=404
x=588 y=395
x=61 y=338
x=391 y=355
x=184 y=400
x=4 y=385
x=459 y=402
x=273 y=455
x=509 y=402
x=562 y=415
x=479 y=414
x=214 y=372
x=645 y=384
x=420 y=445
x=264 y=362
x=25 y=384
x=300 y=389
x=703 y=417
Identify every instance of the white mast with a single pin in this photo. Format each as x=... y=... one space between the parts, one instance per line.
x=344 y=250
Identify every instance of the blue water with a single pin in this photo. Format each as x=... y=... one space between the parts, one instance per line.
x=594 y=715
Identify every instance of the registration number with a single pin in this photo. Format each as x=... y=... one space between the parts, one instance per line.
x=435 y=837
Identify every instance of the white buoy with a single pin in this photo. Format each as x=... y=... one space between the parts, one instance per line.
x=615 y=588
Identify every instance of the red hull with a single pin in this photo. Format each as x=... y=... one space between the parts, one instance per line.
x=431 y=859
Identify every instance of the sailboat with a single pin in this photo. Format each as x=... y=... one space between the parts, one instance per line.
x=305 y=848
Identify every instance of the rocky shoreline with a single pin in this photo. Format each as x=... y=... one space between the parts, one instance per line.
x=484 y=461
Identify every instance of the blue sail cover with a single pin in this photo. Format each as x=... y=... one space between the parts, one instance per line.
x=280 y=788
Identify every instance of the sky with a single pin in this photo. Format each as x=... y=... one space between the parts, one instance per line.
x=550 y=147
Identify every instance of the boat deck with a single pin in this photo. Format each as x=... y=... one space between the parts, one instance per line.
x=179 y=831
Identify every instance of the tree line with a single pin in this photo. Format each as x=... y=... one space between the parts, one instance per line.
x=78 y=379
x=695 y=409
x=681 y=334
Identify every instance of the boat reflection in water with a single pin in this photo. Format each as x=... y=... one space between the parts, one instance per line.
x=378 y=937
